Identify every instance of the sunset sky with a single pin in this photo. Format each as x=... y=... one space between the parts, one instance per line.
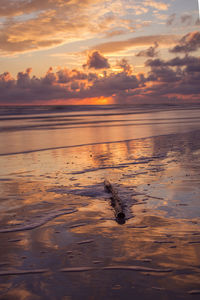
x=99 y=52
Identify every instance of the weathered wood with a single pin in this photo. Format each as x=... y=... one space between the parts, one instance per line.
x=116 y=201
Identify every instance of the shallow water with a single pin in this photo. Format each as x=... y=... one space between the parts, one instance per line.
x=30 y=131
x=59 y=236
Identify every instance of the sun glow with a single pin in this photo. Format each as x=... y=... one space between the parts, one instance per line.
x=97 y=101
x=86 y=101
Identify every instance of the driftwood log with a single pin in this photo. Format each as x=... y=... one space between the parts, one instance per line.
x=116 y=201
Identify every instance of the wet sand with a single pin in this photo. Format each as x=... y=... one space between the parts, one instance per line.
x=59 y=238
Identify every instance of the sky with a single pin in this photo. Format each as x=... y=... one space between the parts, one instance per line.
x=99 y=52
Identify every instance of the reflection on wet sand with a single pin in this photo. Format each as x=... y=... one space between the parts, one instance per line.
x=77 y=240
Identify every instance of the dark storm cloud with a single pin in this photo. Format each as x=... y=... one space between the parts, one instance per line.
x=64 y=84
x=97 y=61
x=178 y=77
x=175 y=62
x=165 y=80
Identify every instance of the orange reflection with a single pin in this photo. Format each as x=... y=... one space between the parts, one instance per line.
x=158 y=186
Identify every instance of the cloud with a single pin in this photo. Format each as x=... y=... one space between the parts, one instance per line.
x=186 y=18
x=125 y=66
x=165 y=80
x=150 y=52
x=35 y=24
x=171 y=19
x=96 y=61
x=163 y=40
x=73 y=84
x=116 y=32
x=175 y=62
x=188 y=43
x=157 y=5
x=16 y=8
x=21 y=7
x=176 y=78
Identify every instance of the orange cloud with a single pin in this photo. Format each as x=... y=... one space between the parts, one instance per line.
x=35 y=24
x=157 y=5
x=163 y=40
x=47 y=23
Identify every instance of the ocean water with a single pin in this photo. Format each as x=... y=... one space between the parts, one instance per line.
x=37 y=128
x=59 y=236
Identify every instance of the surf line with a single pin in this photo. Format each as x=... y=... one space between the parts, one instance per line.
x=82 y=145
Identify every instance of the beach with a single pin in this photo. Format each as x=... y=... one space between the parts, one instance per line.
x=59 y=237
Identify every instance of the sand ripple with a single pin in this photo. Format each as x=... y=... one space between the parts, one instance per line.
x=37 y=223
